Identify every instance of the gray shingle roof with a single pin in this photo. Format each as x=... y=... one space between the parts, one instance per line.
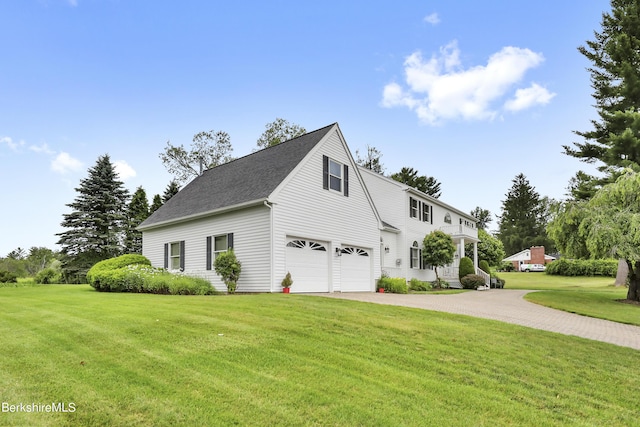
x=250 y=178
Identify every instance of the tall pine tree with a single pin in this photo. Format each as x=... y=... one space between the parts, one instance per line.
x=426 y=184
x=614 y=141
x=522 y=223
x=137 y=212
x=96 y=224
x=171 y=190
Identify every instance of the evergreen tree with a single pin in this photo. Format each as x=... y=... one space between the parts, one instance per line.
x=614 y=141
x=96 y=224
x=170 y=191
x=137 y=212
x=426 y=184
x=155 y=205
x=522 y=223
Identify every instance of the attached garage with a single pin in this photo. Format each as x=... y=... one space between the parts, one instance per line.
x=308 y=263
x=355 y=265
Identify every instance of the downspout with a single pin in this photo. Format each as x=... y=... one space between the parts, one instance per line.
x=271 y=243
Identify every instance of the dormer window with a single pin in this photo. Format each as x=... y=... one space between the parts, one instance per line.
x=447 y=218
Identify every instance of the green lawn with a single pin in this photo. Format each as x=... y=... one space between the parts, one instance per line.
x=588 y=296
x=135 y=359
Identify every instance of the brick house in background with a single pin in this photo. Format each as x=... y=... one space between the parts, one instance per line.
x=533 y=255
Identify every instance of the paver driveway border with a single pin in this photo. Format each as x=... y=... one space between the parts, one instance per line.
x=508 y=305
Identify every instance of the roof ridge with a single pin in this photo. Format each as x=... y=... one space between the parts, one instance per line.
x=272 y=146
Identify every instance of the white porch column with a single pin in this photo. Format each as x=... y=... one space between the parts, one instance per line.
x=475 y=254
x=461 y=247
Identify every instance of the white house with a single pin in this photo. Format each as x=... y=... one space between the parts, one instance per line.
x=304 y=207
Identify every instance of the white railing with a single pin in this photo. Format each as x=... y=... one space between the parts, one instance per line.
x=460 y=230
x=486 y=277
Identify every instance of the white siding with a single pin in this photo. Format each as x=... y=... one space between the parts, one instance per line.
x=302 y=208
x=251 y=235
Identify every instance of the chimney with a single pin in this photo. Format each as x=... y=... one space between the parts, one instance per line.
x=537 y=255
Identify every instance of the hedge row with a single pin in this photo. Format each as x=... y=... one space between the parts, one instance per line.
x=134 y=273
x=581 y=267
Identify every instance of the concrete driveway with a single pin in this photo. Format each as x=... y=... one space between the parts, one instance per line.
x=508 y=305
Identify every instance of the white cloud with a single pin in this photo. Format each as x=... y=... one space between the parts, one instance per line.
x=73 y=3
x=14 y=146
x=432 y=19
x=64 y=163
x=529 y=97
x=124 y=170
x=44 y=148
x=440 y=88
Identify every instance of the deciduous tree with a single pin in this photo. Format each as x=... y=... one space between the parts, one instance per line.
x=484 y=217
x=610 y=225
x=438 y=250
x=208 y=150
x=280 y=130
x=371 y=160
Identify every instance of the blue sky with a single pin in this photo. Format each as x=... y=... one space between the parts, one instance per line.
x=469 y=92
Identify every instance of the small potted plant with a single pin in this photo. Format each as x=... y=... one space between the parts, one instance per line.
x=286 y=283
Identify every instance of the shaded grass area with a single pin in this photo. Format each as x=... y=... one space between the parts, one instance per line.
x=135 y=359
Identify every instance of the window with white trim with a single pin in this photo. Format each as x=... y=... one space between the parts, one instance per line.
x=335 y=176
x=415 y=255
x=220 y=245
x=447 y=218
x=413 y=207
x=426 y=212
x=174 y=256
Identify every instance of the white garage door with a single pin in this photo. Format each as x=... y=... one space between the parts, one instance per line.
x=355 y=269
x=308 y=263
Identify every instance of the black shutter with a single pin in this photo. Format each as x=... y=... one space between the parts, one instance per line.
x=182 y=255
x=230 y=241
x=421 y=261
x=431 y=215
x=166 y=256
x=346 y=181
x=325 y=172
x=410 y=207
x=208 y=252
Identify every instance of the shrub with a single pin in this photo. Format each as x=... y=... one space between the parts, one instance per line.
x=129 y=276
x=228 y=268
x=484 y=266
x=418 y=285
x=440 y=284
x=95 y=273
x=466 y=267
x=48 y=276
x=507 y=266
x=8 y=277
x=580 y=267
x=287 y=282
x=472 y=281
x=393 y=285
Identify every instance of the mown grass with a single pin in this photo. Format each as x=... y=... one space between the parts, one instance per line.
x=588 y=296
x=542 y=281
x=136 y=359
